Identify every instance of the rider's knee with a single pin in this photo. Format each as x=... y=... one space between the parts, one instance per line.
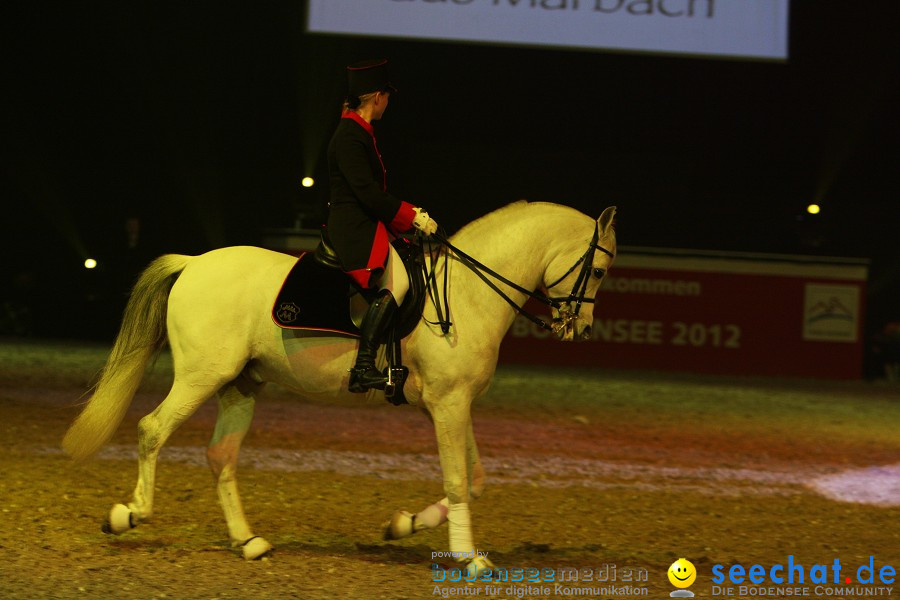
x=400 y=289
x=395 y=277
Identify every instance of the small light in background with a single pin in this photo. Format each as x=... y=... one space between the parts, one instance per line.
x=813 y=209
x=307 y=182
x=90 y=263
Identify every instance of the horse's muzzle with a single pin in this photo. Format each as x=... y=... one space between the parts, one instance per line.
x=567 y=330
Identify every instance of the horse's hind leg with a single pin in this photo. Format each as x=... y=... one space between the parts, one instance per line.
x=236 y=402
x=153 y=431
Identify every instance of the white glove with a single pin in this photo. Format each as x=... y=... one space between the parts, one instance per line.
x=423 y=222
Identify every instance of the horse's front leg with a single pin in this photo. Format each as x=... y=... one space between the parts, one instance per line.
x=236 y=403
x=404 y=523
x=452 y=426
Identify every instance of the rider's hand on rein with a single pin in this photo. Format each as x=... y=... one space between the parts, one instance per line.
x=424 y=223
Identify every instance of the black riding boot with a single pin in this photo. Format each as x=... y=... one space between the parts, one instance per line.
x=364 y=375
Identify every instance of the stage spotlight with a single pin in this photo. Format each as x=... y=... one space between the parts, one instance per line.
x=307 y=182
x=813 y=209
x=90 y=263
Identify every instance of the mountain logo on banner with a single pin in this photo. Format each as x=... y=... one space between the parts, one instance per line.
x=831 y=313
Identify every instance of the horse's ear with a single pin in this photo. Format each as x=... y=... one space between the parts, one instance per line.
x=607 y=219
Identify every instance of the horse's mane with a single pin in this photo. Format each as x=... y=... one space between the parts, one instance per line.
x=512 y=208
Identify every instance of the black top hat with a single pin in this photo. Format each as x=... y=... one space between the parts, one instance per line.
x=368 y=76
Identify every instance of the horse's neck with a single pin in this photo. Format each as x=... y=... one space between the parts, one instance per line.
x=509 y=244
x=514 y=246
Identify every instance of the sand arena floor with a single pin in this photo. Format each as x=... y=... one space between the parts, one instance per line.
x=586 y=470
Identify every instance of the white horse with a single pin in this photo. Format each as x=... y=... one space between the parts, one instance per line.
x=215 y=310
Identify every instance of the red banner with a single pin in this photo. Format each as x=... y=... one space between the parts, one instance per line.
x=717 y=313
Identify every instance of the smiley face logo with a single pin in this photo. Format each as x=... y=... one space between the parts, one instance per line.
x=682 y=573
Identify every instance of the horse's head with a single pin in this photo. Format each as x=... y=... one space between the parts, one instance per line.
x=573 y=277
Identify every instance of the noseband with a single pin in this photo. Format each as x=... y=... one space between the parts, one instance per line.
x=560 y=303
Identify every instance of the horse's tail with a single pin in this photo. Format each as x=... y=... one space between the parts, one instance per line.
x=141 y=336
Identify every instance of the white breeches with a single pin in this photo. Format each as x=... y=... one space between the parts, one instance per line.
x=395 y=277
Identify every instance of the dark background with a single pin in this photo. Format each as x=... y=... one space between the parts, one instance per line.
x=201 y=118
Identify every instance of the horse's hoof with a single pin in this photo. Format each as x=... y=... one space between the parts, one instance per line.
x=400 y=526
x=255 y=548
x=119 y=520
x=477 y=566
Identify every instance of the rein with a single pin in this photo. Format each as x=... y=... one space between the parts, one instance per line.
x=483 y=272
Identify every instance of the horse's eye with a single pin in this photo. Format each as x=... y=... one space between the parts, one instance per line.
x=599 y=273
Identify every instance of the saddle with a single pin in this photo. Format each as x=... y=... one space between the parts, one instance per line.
x=317 y=295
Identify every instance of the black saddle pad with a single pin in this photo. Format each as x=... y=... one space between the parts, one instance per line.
x=316 y=297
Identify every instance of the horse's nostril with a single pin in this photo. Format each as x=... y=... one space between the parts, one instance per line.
x=586 y=334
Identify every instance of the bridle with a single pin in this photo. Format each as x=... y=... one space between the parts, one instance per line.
x=586 y=261
x=562 y=304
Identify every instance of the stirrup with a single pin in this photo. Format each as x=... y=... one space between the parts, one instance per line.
x=358 y=385
x=393 y=388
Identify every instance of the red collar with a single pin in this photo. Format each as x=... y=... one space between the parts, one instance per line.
x=349 y=114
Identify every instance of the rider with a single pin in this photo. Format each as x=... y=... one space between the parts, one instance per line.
x=362 y=215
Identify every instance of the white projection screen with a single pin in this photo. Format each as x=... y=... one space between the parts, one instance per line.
x=755 y=29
